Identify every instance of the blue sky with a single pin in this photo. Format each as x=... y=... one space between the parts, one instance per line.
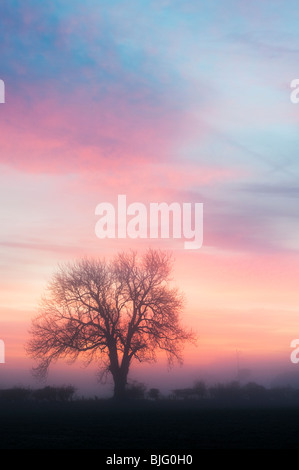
x=160 y=100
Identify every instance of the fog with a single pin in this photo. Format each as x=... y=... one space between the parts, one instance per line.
x=85 y=379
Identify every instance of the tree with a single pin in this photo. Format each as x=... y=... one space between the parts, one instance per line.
x=154 y=394
x=136 y=390
x=112 y=312
x=200 y=389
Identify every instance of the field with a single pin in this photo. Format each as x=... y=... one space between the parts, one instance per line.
x=147 y=425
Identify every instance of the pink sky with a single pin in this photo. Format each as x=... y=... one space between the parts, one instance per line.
x=172 y=103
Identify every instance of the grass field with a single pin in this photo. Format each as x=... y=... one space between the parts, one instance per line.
x=147 y=425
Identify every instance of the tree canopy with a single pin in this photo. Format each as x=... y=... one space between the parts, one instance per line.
x=111 y=312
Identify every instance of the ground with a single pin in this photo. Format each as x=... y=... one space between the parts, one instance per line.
x=147 y=425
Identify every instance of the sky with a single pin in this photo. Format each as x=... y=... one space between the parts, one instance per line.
x=161 y=101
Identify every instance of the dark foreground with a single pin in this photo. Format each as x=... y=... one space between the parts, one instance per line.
x=147 y=425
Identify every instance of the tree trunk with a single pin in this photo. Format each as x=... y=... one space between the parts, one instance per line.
x=119 y=372
x=120 y=382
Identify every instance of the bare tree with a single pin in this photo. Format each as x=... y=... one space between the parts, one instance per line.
x=112 y=312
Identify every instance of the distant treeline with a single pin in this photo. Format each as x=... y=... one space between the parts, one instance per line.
x=232 y=392
x=48 y=393
x=236 y=392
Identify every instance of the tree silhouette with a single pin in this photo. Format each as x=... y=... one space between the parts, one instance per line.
x=112 y=312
